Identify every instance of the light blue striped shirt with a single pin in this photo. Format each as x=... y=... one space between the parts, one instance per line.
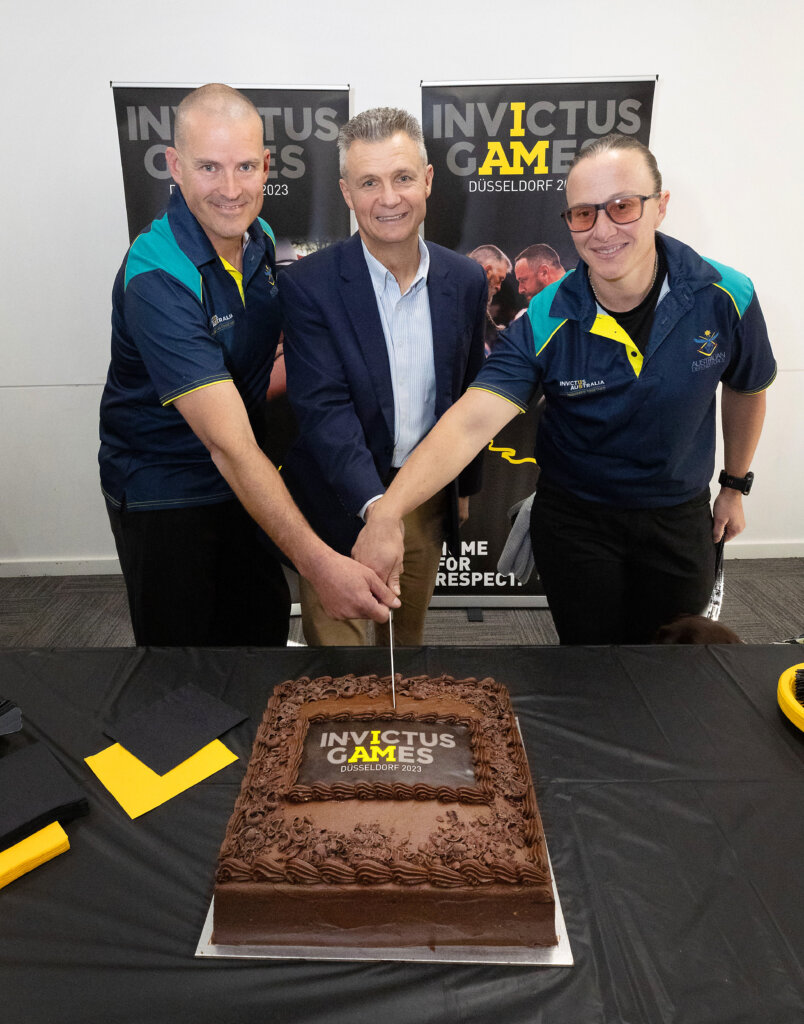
x=409 y=339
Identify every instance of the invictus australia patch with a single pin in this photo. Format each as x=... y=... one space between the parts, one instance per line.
x=221 y=323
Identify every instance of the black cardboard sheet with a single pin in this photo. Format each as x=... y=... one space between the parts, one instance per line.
x=10 y=717
x=35 y=791
x=167 y=732
x=670 y=788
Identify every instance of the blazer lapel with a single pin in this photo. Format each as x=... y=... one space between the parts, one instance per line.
x=360 y=301
x=443 y=295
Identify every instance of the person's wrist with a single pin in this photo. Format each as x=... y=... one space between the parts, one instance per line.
x=316 y=559
x=380 y=510
x=739 y=484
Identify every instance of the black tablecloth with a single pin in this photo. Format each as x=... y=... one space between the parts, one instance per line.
x=671 y=790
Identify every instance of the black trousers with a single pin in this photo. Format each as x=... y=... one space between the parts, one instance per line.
x=613 y=575
x=200 y=577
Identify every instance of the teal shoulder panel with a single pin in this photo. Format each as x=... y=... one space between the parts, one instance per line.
x=736 y=285
x=544 y=326
x=158 y=249
x=267 y=229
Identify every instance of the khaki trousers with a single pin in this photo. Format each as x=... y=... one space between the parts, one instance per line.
x=424 y=535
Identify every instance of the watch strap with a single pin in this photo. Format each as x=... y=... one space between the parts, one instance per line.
x=742 y=484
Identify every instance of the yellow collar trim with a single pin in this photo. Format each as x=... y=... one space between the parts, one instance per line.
x=238 y=278
x=607 y=327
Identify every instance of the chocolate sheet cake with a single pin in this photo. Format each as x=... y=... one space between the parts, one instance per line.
x=361 y=825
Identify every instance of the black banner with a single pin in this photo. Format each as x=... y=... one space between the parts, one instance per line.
x=303 y=203
x=501 y=153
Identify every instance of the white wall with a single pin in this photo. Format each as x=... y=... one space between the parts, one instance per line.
x=726 y=131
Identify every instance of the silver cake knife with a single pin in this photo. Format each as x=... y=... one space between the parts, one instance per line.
x=391 y=644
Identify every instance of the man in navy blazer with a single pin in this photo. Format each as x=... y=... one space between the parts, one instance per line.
x=382 y=334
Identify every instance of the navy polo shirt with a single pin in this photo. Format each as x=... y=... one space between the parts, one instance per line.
x=180 y=324
x=622 y=428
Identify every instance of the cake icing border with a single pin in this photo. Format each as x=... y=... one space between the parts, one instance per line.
x=307 y=856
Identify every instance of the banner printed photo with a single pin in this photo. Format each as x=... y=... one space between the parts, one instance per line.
x=500 y=152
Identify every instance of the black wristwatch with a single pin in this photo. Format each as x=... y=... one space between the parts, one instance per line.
x=738 y=483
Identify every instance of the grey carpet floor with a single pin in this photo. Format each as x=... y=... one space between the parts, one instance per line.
x=763 y=603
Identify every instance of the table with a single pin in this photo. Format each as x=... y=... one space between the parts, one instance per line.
x=671 y=789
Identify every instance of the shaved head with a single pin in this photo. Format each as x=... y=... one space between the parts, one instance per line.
x=220 y=163
x=213 y=100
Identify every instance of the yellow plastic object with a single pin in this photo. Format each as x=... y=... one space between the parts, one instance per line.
x=787 y=696
x=29 y=853
x=139 y=789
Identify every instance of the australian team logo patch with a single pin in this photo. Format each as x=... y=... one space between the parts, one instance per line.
x=707 y=346
x=707 y=343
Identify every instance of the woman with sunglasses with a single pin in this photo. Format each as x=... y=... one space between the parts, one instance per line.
x=629 y=349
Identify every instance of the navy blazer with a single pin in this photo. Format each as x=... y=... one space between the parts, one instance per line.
x=339 y=379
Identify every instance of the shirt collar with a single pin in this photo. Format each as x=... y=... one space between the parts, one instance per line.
x=192 y=238
x=380 y=274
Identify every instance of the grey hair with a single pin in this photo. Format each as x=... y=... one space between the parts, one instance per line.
x=486 y=253
x=378 y=124
x=614 y=141
x=540 y=253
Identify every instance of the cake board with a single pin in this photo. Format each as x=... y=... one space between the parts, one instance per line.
x=559 y=955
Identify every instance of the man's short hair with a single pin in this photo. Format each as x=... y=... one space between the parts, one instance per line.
x=213 y=98
x=376 y=125
x=538 y=254
x=489 y=254
x=614 y=141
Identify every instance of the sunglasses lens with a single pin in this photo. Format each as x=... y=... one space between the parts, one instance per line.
x=581 y=218
x=625 y=210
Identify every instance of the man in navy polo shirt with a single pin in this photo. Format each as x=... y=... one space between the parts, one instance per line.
x=630 y=349
x=195 y=324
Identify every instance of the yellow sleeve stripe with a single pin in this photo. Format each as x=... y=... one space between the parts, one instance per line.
x=720 y=286
x=189 y=391
x=497 y=394
x=758 y=391
x=550 y=337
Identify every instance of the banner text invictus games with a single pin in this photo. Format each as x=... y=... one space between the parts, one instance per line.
x=520 y=135
x=390 y=745
x=296 y=124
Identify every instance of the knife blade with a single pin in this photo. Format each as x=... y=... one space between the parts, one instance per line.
x=391 y=645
